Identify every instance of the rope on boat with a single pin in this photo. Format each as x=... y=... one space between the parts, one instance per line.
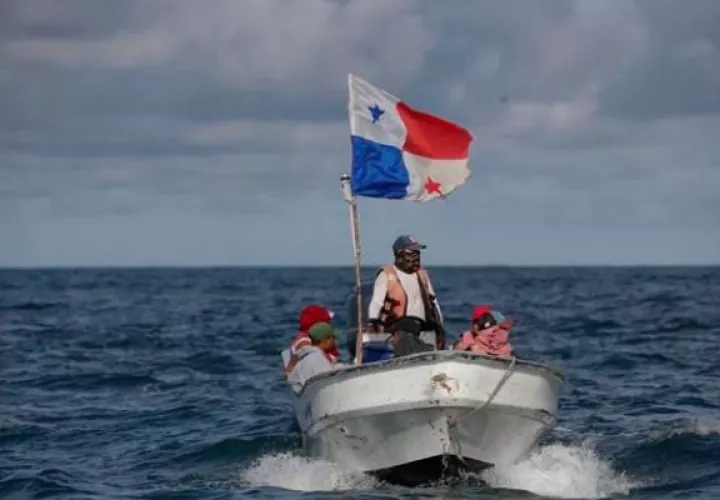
x=452 y=422
x=494 y=393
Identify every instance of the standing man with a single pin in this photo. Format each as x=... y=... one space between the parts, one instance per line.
x=403 y=291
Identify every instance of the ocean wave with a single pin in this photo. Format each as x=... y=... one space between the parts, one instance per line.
x=90 y=381
x=45 y=483
x=167 y=384
x=236 y=448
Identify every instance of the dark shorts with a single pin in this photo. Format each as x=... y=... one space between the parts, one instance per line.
x=409 y=343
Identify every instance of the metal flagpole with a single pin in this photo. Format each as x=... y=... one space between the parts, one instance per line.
x=352 y=202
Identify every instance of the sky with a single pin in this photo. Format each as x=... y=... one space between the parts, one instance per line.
x=214 y=132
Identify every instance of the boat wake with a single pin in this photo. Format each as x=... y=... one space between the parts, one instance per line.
x=562 y=471
x=554 y=470
x=295 y=472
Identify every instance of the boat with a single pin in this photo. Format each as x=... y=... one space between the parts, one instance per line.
x=427 y=416
x=421 y=417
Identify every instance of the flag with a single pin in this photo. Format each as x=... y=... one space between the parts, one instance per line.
x=399 y=152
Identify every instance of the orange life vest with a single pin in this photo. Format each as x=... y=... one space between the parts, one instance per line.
x=396 y=299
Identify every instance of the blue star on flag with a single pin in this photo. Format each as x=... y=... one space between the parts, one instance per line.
x=376 y=112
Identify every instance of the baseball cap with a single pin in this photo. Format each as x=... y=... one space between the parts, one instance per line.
x=480 y=311
x=407 y=242
x=321 y=331
x=313 y=314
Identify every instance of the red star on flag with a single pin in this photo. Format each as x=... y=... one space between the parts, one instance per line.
x=432 y=187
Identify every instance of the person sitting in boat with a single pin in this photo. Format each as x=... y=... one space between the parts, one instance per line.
x=309 y=316
x=316 y=358
x=488 y=333
x=404 y=290
x=323 y=337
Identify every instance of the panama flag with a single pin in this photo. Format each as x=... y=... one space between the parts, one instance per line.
x=402 y=153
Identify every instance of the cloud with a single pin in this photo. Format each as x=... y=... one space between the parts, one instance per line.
x=585 y=113
x=680 y=72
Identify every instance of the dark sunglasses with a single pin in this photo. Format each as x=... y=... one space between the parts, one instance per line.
x=409 y=252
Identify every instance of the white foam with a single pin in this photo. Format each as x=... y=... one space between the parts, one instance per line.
x=696 y=427
x=562 y=471
x=555 y=470
x=706 y=428
x=293 y=472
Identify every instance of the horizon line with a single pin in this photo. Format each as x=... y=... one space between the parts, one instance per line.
x=336 y=266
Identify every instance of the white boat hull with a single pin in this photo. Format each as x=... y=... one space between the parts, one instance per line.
x=428 y=411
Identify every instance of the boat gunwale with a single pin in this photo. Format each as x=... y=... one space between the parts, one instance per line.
x=350 y=371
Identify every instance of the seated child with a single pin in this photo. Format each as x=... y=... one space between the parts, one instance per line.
x=488 y=334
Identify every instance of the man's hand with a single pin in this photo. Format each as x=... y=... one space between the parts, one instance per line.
x=392 y=339
x=291 y=365
x=439 y=335
x=376 y=327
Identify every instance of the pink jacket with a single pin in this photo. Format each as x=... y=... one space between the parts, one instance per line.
x=493 y=341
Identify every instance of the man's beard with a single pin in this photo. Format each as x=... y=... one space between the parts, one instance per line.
x=408 y=262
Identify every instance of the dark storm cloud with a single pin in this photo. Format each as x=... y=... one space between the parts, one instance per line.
x=663 y=86
x=79 y=20
x=245 y=61
x=680 y=72
x=248 y=61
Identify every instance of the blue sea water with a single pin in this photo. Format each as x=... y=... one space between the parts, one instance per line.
x=166 y=383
